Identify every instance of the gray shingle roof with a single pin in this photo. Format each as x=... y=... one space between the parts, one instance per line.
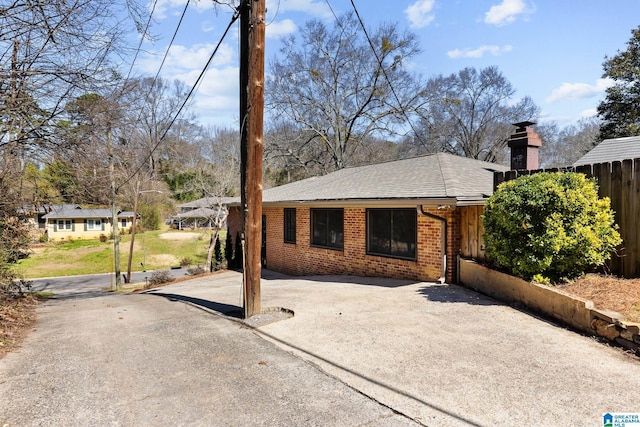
x=611 y=150
x=73 y=212
x=435 y=176
x=199 y=213
x=205 y=202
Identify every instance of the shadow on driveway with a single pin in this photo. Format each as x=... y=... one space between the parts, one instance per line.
x=222 y=308
x=455 y=294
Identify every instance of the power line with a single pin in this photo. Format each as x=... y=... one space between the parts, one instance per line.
x=146 y=28
x=234 y=18
x=384 y=71
x=166 y=54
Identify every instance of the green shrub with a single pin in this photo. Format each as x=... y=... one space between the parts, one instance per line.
x=549 y=224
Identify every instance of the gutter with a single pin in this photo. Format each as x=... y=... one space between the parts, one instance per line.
x=443 y=221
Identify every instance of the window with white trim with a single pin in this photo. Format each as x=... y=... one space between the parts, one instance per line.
x=65 y=225
x=94 y=224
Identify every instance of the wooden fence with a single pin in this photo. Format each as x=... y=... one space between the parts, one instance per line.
x=620 y=181
x=472 y=232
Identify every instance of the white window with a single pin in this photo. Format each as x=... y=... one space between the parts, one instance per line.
x=94 y=224
x=65 y=224
x=123 y=223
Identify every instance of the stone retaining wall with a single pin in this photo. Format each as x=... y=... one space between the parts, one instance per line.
x=549 y=301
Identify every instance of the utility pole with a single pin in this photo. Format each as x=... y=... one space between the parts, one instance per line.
x=114 y=211
x=134 y=224
x=252 y=39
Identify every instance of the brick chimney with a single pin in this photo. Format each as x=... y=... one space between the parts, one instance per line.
x=525 y=144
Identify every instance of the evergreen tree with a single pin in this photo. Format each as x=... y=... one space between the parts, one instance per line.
x=217 y=256
x=237 y=253
x=228 y=250
x=619 y=111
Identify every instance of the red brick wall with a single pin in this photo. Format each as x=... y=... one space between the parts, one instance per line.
x=303 y=259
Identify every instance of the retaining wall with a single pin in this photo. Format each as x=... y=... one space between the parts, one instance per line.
x=578 y=313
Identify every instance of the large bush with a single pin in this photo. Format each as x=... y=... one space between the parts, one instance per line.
x=549 y=225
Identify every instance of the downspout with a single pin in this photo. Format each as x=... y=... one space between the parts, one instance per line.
x=443 y=277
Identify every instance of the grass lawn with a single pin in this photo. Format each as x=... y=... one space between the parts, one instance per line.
x=156 y=249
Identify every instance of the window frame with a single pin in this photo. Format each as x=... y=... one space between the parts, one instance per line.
x=94 y=224
x=61 y=225
x=391 y=254
x=325 y=212
x=290 y=225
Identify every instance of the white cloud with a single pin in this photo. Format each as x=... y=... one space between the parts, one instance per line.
x=579 y=90
x=478 y=52
x=590 y=112
x=420 y=13
x=277 y=29
x=315 y=8
x=506 y=12
x=182 y=59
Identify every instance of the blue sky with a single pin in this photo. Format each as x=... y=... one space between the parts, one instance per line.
x=550 y=50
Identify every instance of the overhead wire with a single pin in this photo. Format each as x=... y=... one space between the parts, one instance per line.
x=144 y=33
x=164 y=58
x=234 y=18
x=384 y=71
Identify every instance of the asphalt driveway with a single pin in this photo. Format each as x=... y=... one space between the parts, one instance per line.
x=358 y=351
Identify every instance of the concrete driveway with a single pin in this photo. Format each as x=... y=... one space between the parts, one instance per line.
x=441 y=354
x=359 y=351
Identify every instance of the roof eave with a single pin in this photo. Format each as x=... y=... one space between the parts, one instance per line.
x=360 y=202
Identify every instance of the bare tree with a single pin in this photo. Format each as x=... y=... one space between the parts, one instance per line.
x=51 y=52
x=470 y=114
x=336 y=92
x=562 y=147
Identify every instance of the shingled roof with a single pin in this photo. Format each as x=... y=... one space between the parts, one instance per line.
x=75 y=211
x=611 y=150
x=437 y=177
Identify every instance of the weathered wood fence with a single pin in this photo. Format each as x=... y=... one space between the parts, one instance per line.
x=620 y=181
x=472 y=232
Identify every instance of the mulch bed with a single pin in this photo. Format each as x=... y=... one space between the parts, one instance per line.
x=608 y=293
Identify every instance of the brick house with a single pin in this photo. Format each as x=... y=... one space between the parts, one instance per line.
x=399 y=219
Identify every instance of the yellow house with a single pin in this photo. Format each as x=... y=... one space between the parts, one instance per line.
x=74 y=222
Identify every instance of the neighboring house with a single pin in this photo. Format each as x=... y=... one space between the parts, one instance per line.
x=201 y=213
x=74 y=222
x=611 y=150
x=35 y=213
x=400 y=219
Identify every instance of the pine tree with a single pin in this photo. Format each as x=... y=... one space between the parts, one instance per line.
x=619 y=110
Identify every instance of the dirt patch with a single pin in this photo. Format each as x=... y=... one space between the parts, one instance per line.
x=163 y=259
x=609 y=293
x=180 y=236
x=17 y=316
